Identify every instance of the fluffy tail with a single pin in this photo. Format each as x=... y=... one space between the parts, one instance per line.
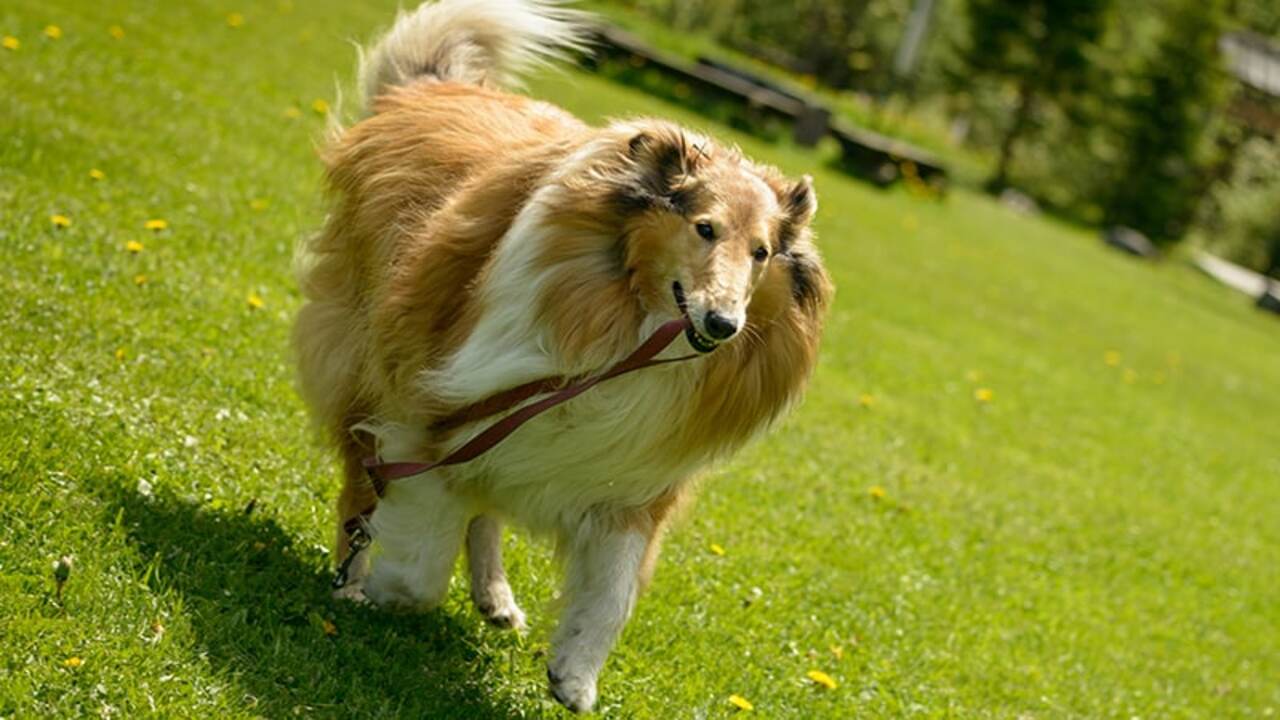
x=479 y=42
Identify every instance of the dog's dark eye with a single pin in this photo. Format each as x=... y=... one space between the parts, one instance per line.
x=761 y=254
x=705 y=231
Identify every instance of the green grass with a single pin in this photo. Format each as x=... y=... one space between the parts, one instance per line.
x=1096 y=541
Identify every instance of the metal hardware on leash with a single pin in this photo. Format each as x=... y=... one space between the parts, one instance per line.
x=357 y=540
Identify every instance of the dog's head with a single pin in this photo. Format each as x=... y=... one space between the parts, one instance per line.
x=709 y=234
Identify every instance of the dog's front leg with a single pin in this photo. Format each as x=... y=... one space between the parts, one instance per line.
x=601 y=584
x=418 y=528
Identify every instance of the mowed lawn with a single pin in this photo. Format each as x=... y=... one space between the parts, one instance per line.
x=1032 y=478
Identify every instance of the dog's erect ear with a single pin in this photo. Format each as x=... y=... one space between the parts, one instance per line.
x=664 y=161
x=662 y=156
x=799 y=201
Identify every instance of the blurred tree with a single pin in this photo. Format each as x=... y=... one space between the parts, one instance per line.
x=1167 y=117
x=714 y=17
x=1039 y=48
x=844 y=44
x=1261 y=16
x=825 y=38
x=1240 y=218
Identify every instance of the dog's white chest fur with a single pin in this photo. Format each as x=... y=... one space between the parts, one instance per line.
x=602 y=449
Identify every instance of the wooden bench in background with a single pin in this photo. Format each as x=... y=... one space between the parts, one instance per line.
x=884 y=160
x=871 y=156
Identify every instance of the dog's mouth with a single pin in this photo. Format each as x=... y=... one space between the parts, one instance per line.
x=699 y=342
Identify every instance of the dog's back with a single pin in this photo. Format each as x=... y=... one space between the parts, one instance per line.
x=440 y=140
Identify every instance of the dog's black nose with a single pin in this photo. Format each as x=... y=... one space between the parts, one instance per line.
x=719 y=327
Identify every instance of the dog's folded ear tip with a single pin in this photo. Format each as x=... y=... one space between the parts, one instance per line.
x=638 y=142
x=800 y=199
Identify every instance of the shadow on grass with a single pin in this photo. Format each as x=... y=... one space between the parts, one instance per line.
x=258 y=605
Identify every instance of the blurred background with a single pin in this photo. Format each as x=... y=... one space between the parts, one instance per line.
x=1154 y=116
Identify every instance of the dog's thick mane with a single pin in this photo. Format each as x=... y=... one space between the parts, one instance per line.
x=428 y=254
x=450 y=175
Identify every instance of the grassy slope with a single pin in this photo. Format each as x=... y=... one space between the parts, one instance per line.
x=1080 y=546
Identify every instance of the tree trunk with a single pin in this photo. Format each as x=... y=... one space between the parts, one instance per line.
x=1020 y=117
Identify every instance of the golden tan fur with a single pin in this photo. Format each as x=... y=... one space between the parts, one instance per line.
x=426 y=187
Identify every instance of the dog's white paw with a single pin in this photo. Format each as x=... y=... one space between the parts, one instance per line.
x=507 y=617
x=577 y=692
x=391 y=590
x=352 y=592
x=497 y=604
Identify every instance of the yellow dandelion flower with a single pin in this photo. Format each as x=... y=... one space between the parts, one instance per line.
x=329 y=628
x=116 y=31
x=822 y=679
x=139 y=279
x=156 y=225
x=53 y=32
x=11 y=43
x=255 y=301
x=133 y=246
x=876 y=492
x=867 y=400
x=741 y=703
x=715 y=549
x=258 y=204
x=1111 y=358
x=983 y=395
x=838 y=651
x=96 y=174
x=120 y=354
x=292 y=113
x=235 y=20
x=320 y=106
x=73 y=662
x=60 y=221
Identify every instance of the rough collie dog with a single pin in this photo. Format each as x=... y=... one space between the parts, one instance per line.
x=479 y=240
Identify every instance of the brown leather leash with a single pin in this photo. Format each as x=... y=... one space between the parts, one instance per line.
x=381 y=474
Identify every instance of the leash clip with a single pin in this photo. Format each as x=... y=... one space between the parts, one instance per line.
x=357 y=541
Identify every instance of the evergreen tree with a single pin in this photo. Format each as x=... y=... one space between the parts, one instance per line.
x=1040 y=47
x=1175 y=99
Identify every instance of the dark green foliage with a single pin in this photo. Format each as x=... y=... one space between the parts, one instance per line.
x=1175 y=99
x=840 y=43
x=1039 y=48
x=1240 y=218
x=1262 y=16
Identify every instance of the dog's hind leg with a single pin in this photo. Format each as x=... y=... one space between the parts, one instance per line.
x=489 y=588
x=417 y=529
